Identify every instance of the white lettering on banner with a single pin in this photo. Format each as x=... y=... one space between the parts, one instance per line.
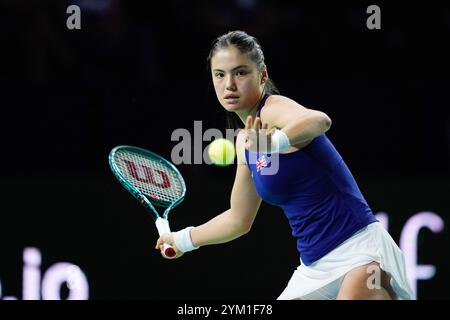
x=57 y=275
x=71 y=275
x=408 y=243
x=409 y=246
x=31 y=274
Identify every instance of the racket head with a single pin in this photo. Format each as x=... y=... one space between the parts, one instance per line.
x=147 y=174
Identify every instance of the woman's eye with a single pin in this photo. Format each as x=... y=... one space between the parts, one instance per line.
x=241 y=73
x=219 y=75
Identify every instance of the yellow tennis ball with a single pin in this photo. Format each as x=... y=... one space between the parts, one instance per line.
x=221 y=152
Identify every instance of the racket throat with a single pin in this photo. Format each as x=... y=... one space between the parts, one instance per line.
x=162 y=225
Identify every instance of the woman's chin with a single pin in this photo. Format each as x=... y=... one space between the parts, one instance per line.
x=232 y=107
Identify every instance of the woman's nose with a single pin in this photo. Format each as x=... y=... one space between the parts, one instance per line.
x=230 y=84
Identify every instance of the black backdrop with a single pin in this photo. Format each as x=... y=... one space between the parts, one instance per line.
x=136 y=72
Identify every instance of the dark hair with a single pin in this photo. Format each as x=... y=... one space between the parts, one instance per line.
x=245 y=44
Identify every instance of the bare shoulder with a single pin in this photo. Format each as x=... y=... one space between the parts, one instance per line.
x=276 y=105
x=279 y=99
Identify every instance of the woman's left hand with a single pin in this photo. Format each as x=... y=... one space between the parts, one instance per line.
x=258 y=137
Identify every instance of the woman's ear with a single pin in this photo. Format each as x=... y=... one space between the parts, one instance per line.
x=264 y=74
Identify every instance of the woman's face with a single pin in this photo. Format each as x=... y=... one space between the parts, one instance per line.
x=236 y=79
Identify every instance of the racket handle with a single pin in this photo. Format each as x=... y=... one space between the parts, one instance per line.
x=168 y=251
x=163 y=227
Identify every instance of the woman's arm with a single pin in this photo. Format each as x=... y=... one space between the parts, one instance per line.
x=244 y=205
x=234 y=222
x=300 y=124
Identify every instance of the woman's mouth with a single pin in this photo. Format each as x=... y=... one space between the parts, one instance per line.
x=231 y=99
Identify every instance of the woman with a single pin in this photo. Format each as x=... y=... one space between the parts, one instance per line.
x=345 y=253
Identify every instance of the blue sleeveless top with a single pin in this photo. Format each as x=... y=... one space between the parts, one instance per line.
x=317 y=193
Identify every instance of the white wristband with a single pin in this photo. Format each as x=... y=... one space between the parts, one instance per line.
x=183 y=240
x=280 y=141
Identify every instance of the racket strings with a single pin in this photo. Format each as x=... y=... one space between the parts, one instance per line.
x=151 y=177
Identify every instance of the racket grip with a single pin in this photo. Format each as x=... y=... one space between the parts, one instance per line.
x=163 y=227
x=169 y=251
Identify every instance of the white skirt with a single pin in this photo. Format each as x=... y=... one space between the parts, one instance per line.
x=323 y=278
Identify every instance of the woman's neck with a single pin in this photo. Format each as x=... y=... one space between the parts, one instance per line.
x=250 y=112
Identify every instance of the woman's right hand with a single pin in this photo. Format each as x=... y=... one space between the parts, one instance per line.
x=167 y=238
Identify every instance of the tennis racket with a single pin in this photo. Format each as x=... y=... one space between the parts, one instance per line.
x=152 y=180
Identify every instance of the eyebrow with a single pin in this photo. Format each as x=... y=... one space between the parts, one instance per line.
x=238 y=67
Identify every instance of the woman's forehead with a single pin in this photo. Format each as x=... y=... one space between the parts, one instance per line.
x=229 y=58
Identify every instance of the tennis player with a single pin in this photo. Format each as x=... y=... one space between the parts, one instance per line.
x=345 y=253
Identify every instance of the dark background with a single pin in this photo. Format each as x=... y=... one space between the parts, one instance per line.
x=135 y=72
